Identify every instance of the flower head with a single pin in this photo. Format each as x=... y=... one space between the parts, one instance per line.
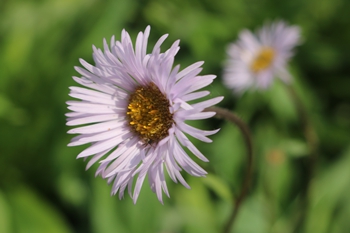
x=133 y=109
x=254 y=60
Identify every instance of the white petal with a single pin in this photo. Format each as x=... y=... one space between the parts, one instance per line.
x=138 y=186
x=196 y=133
x=200 y=115
x=83 y=139
x=195 y=95
x=91 y=119
x=187 y=143
x=208 y=103
x=96 y=128
x=95 y=158
x=101 y=146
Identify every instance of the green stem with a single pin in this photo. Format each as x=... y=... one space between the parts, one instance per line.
x=230 y=116
x=312 y=142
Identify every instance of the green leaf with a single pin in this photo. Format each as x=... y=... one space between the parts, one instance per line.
x=104 y=209
x=227 y=153
x=326 y=194
x=5 y=215
x=253 y=216
x=295 y=147
x=219 y=187
x=196 y=208
x=33 y=214
x=281 y=103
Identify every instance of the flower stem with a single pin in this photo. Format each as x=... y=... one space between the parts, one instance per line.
x=312 y=142
x=230 y=116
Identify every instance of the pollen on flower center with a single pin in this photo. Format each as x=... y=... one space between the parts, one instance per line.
x=263 y=59
x=148 y=113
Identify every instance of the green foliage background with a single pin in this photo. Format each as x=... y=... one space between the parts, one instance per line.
x=43 y=188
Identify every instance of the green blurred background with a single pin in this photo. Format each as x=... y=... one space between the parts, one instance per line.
x=43 y=188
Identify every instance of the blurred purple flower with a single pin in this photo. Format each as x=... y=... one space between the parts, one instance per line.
x=254 y=60
x=133 y=107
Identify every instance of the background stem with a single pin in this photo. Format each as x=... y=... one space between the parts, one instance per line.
x=312 y=143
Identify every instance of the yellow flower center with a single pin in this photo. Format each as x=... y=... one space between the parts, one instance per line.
x=148 y=114
x=263 y=59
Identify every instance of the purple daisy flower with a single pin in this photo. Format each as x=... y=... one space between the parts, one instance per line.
x=254 y=60
x=133 y=109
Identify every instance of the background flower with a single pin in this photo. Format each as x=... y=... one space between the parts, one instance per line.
x=255 y=59
x=135 y=105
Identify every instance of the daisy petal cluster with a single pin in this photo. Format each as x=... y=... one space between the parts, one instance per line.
x=255 y=59
x=132 y=110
